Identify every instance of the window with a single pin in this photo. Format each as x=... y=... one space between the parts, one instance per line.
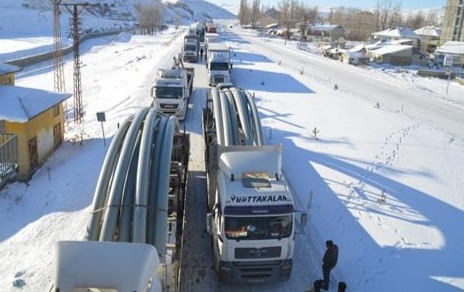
x=258 y=227
x=2 y=126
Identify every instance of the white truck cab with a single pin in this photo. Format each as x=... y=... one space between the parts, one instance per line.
x=172 y=90
x=218 y=63
x=253 y=221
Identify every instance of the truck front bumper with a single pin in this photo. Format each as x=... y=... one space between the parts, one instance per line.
x=255 y=272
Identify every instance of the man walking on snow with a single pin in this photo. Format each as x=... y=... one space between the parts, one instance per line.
x=328 y=262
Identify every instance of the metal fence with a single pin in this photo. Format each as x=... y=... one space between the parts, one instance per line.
x=8 y=153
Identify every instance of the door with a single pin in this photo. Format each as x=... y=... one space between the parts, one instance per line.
x=56 y=135
x=33 y=155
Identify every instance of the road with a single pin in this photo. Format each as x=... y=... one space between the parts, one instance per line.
x=197 y=271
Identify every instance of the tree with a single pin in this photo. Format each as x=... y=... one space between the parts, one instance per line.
x=150 y=16
x=255 y=13
x=244 y=14
x=387 y=14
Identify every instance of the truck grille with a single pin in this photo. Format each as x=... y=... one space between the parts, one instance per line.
x=257 y=253
x=169 y=106
x=219 y=79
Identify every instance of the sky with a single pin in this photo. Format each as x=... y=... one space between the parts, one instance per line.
x=364 y=4
x=379 y=131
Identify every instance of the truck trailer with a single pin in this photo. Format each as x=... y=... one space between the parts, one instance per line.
x=134 y=235
x=251 y=216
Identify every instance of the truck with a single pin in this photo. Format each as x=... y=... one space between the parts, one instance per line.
x=218 y=63
x=133 y=240
x=211 y=27
x=251 y=213
x=191 y=47
x=172 y=89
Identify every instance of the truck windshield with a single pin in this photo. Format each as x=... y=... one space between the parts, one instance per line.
x=262 y=227
x=222 y=66
x=168 y=92
x=189 y=47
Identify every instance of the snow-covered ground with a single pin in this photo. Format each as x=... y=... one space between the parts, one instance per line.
x=380 y=132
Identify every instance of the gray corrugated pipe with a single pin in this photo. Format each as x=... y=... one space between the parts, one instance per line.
x=258 y=134
x=143 y=176
x=161 y=213
x=101 y=190
x=217 y=116
x=128 y=194
x=152 y=192
x=225 y=110
x=115 y=196
x=233 y=118
x=243 y=115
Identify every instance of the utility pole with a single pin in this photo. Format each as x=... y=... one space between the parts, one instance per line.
x=75 y=10
x=59 y=82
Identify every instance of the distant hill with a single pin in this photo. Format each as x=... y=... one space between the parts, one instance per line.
x=187 y=11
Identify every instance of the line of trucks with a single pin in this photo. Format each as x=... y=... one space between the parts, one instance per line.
x=173 y=87
x=134 y=237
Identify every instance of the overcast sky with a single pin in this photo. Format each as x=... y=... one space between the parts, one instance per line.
x=405 y=4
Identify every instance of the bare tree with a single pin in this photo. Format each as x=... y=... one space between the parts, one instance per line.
x=255 y=13
x=387 y=14
x=284 y=16
x=244 y=13
x=150 y=16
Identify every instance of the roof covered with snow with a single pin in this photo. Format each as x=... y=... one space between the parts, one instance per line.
x=430 y=31
x=20 y=104
x=7 y=68
x=451 y=47
x=391 y=49
x=325 y=27
x=397 y=32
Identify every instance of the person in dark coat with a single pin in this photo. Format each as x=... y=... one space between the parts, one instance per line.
x=328 y=262
x=318 y=284
x=201 y=53
x=341 y=287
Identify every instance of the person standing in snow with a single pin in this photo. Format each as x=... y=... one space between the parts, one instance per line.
x=201 y=53
x=328 y=262
x=341 y=287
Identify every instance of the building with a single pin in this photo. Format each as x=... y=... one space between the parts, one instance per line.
x=451 y=49
x=31 y=125
x=404 y=34
x=331 y=31
x=453 y=22
x=430 y=38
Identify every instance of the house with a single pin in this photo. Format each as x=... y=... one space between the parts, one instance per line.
x=331 y=31
x=354 y=56
x=452 y=49
x=31 y=125
x=398 y=55
x=430 y=38
x=404 y=34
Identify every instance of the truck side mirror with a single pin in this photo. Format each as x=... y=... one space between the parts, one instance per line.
x=304 y=219
x=209 y=223
x=152 y=92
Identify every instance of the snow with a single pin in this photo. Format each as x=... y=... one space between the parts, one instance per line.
x=20 y=104
x=379 y=131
